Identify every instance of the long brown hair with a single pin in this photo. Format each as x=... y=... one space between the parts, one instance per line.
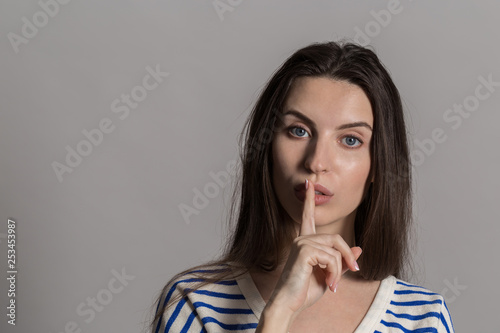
x=383 y=219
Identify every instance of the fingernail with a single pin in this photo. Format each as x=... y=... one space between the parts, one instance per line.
x=356 y=265
x=307 y=184
x=335 y=289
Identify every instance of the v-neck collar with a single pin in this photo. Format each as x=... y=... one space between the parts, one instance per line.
x=370 y=320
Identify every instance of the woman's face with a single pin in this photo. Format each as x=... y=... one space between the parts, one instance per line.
x=324 y=136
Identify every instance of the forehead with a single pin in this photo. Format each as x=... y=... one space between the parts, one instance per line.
x=329 y=102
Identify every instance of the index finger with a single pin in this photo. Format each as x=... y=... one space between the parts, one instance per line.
x=308 y=225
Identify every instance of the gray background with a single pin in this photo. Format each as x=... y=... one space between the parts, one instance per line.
x=119 y=208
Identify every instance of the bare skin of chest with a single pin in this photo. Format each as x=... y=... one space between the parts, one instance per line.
x=342 y=311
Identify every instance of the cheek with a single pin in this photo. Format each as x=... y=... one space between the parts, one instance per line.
x=355 y=170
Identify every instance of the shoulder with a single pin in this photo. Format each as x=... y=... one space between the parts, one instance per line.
x=207 y=297
x=206 y=277
x=412 y=306
x=407 y=294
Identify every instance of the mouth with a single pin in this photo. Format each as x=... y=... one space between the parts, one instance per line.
x=323 y=195
x=318 y=189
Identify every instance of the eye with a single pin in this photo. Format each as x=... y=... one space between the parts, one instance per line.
x=298 y=131
x=351 y=141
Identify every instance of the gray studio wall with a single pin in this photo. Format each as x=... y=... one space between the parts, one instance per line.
x=109 y=227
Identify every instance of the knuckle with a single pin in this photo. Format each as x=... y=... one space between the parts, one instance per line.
x=333 y=264
x=337 y=238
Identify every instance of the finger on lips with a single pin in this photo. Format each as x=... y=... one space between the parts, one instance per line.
x=308 y=226
x=338 y=246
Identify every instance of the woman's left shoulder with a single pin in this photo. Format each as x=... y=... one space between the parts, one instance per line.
x=413 y=303
x=411 y=291
x=412 y=294
x=406 y=284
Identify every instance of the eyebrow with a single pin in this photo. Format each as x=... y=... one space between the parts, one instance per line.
x=341 y=127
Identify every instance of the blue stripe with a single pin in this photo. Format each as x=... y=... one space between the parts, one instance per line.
x=158 y=306
x=222 y=310
x=205 y=320
x=409 y=285
x=194 y=314
x=159 y=319
x=449 y=315
x=219 y=295
x=230 y=327
x=189 y=321
x=419 y=330
x=406 y=292
x=172 y=289
x=224 y=282
x=167 y=298
x=227 y=282
x=416 y=303
x=416 y=317
x=175 y=314
x=157 y=330
x=445 y=324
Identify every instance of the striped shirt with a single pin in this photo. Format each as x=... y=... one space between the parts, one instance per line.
x=235 y=305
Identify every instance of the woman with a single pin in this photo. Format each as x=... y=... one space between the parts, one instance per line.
x=321 y=240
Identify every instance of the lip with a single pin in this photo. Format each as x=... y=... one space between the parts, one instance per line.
x=300 y=193
x=317 y=187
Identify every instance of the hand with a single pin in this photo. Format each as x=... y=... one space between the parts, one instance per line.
x=316 y=263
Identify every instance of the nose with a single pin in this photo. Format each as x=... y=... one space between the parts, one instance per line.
x=320 y=156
